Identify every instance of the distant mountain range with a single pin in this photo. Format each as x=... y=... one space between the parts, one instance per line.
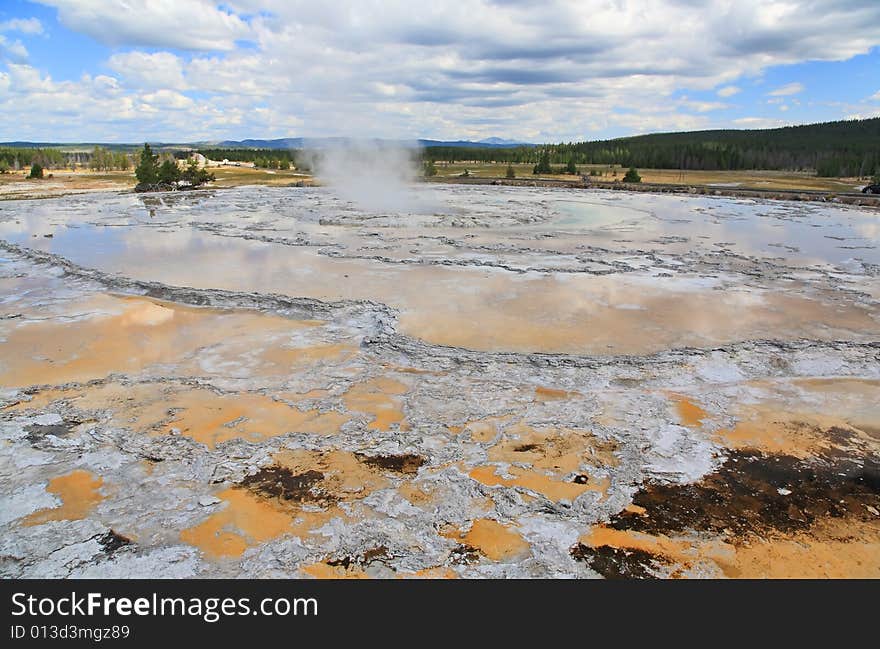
x=301 y=142
x=276 y=144
x=489 y=142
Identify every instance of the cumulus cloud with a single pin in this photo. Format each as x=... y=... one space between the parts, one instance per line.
x=787 y=89
x=23 y=25
x=149 y=71
x=563 y=69
x=165 y=100
x=109 y=112
x=12 y=50
x=185 y=25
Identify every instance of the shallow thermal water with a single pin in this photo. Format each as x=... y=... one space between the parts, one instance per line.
x=502 y=382
x=563 y=271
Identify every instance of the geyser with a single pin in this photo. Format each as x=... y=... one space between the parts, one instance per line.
x=375 y=175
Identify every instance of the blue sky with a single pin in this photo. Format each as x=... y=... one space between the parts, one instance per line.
x=187 y=70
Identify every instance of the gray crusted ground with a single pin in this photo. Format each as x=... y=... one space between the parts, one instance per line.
x=493 y=382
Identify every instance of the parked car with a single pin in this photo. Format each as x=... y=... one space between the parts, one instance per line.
x=871 y=189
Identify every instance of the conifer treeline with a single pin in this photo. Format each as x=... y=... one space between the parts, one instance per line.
x=845 y=148
x=20 y=158
x=99 y=158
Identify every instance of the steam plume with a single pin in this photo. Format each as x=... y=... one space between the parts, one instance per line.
x=375 y=175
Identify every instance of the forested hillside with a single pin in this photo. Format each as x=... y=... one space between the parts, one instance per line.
x=846 y=148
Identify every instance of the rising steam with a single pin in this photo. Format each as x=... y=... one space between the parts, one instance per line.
x=377 y=176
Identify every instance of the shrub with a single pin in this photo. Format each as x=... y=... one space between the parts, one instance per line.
x=632 y=176
x=36 y=171
x=510 y=172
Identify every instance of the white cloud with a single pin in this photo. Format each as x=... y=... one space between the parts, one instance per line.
x=538 y=71
x=166 y=99
x=23 y=25
x=758 y=122
x=181 y=24
x=868 y=114
x=875 y=96
x=12 y=50
x=702 y=106
x=149 y=71
x=787 y=89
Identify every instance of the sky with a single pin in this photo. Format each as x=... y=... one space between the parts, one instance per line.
x=551 y=71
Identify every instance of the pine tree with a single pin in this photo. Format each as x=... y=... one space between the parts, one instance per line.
x=169 y=172
x=543 y=166
x=147 y=171
x=195 y=176
x=632 y=176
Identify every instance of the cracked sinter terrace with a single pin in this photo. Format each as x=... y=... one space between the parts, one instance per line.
x=498 y=382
